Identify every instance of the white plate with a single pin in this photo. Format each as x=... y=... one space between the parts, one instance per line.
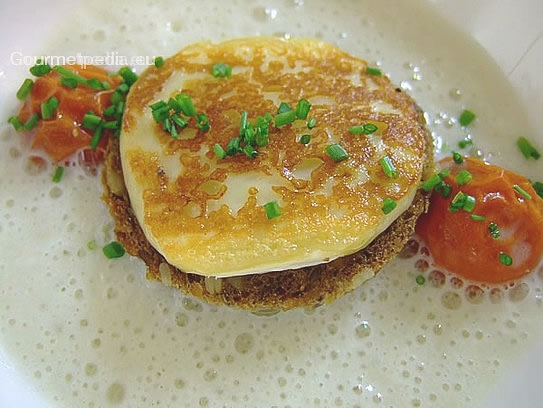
x=511 y=31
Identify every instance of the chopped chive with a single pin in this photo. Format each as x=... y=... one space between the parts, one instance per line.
x=311 y=123
x=366 y=129
x=233 y=147
x=91 y=121
x=302 y=109
x=113 y=250
x=96 y=137
x=31 y=122
x=94 y=84
x=68 y=82
x=457 y=158
x=243 y=122
x=527 y=149
x=538 y=187
x=388 y=205
x=494 y=230
x=179 y=120
x=272 y=209
x=158 y=105
x=420 y=280
x=49 y=107
x=161 y=113
x=40 y=69
x=167 y=125
x=457 y=201
x=159 y=62
x=522 y=192
x=110 y=111
x=462 y=144
x=443 y=189
x=469 y=203
x=337 y=152
x=116 y=97
x=505 y=259
x=250 y=134
x=25 y=89
x=64 y=72
x=16 y=122
x=357 y=130
x=219 y=151
x=106 y=85
x=186 y=104
x=388 y=167
x=173 y=131
x=285 y=118
x=173 y=104
x=249 y=151
x=463 y=177
x=262 y=138
x=284 y=107
x=57 y=176
x=476 y=217
x=112 y=124
x=435 y=180
x=128 y=75
x=123 y=88
x=373 y=71
x=221 y=70
x=305 y=139
x=203 y=122
x=466 y=117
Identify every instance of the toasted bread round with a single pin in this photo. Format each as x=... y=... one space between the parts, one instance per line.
x=199 y=221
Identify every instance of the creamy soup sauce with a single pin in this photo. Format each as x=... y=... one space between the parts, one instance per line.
x=90 y=332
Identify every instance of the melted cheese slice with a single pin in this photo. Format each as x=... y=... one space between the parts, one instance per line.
x=206 y=215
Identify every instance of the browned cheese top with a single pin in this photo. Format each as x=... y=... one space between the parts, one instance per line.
x=206 y=215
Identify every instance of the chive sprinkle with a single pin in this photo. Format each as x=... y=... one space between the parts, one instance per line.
x=203 y=122
x=272 y=210
x=373 y=71
x=457 y=158
x=462 y=144
x=435 y=180
x=505 y=259
x=40 y=69
x=388 y=205
x=219 y=151
x=337 y=152
x=420 y=280
x=91 y=121
x=466 y=117
x=221 y=70
x=538 y=187
x=49 y=107
x=186 y=104
x=476 y=217
x=284 y=118
x=25 y=89
x=97 y=136
x=443 y=189
x=68 y=82
x=57 y=175
x=113 y=250
x=463 y=177
x=527 y=149
x=243 y=122
x=522 y=192
x=16 y=122
x=284 y=107
x=128 y=75
x=388 y=167
x=31 y=122
x=469 y=203
x=159 y=62
x=302 y=109
x=311 y=123
x=305 y=139
x=494 y=230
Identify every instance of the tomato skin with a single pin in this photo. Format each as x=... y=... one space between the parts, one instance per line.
x=62 y=136
x=465 y=246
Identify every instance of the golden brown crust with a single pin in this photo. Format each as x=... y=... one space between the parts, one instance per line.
x=306 y=287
